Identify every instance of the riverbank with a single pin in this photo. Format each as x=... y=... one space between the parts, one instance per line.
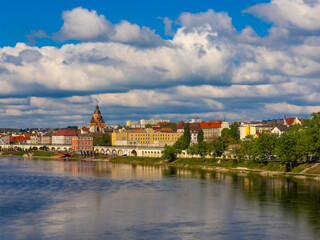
x=270 y=169
x=225 y=165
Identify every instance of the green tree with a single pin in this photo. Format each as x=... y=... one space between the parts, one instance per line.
x=311 y=128
x=102 y=140
x=234 y=129
x=287 y=147
x=265 y=145
x=200 y=148
x=186 y=137
x=226 y=132
x=200 y=136
x=217 y=147
x=169 y=153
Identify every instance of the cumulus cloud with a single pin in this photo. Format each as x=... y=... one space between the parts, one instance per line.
x=167 y=26
x=207 y=68
x=218 y=21
x=84 y=25
x=303 y=14
x=284 y=107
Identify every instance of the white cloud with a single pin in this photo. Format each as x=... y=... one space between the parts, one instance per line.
x=218 y=21
x=287 y=13
x=284 y=107
x=207 y=68
x=84 y=25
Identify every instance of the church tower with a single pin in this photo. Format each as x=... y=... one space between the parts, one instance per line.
x=97 y=119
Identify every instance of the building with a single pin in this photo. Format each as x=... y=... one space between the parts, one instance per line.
x=5 y=139
x=46 y=139
x=35 y=139
x=253 y=128
x=153 y=122
x=82 y=143
x=194 y=129
x=63 y=137
x=212 y=129
x=84 y=130
x=293 y=121
x=97 y=124
x=145 y=137
x=278 y=130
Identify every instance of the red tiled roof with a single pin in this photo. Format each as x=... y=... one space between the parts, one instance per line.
x=85 y=129
x=66 y=133
x=290 y=121
x=211 y=124
x=257 y=122
x=166 y=129
x=194 y=126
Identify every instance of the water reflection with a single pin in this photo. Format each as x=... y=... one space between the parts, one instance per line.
x=41 y=199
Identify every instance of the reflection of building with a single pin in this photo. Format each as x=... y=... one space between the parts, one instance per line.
x=82 y=143
x=97 y=124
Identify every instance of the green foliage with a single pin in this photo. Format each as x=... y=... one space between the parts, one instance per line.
x=226 y=132
x=200 y=136
x=234 y=130
x=186 y=137
x=311 y=128
x=287 y=146
x=103 y=140
x=169 y=153
x=43 y=154
x=265 y=145
x=217 y=147
x=199 y=149
x=19 y=153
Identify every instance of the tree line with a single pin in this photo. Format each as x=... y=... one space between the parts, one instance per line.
x=300 y=143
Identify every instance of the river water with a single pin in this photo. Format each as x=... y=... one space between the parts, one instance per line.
x=42 y=199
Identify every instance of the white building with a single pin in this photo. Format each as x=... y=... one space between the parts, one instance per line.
x=153 y=122
x=63 y=137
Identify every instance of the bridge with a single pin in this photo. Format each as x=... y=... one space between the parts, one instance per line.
x=104 y=150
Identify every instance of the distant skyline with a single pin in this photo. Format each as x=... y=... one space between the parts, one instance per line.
x=165 y=59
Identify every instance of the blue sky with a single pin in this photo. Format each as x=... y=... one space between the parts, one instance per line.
x=157 y=59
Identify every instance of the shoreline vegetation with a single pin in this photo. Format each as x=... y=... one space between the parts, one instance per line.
x=307 y=170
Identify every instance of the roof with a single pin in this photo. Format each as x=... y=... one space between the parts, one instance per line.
x=66 y=133
x=210 y=124
x=136 y=130
x=85 y=129
x=290 y=121
x=194 y=126
x=281 y=127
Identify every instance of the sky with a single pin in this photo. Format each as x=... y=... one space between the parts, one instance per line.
x=164 y=59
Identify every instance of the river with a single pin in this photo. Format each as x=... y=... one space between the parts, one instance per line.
x=44 y=199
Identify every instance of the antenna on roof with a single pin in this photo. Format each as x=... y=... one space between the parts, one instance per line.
x=243 y=118
x=95 y=100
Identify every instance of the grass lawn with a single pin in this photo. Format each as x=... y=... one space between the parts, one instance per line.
x=6 y=152
x=19 y=153
x=44 y=154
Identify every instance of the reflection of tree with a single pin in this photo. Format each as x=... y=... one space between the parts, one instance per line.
x=295 y=197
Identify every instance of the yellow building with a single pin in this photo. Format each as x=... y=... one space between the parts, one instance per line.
x=144 y=137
